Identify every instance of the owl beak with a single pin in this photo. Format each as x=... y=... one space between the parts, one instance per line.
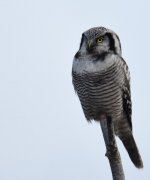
x=89 y=44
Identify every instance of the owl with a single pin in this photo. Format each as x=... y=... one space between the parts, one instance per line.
x=101 y=80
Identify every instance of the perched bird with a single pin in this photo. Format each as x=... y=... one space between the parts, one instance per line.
x=101 y=79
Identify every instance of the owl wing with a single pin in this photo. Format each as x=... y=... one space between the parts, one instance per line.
x=127 y=103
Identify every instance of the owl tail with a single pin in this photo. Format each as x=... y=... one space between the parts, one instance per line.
x=131 y=147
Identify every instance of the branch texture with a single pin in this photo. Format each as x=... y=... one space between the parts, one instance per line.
x=111 y=148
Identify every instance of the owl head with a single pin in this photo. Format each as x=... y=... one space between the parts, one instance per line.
x=100 y=41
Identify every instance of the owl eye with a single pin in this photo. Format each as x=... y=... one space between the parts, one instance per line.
x=100 y=39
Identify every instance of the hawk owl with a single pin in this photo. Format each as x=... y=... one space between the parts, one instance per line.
x=102 y=81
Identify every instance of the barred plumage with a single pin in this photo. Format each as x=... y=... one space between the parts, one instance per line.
x=102 y=81
x=99 y=91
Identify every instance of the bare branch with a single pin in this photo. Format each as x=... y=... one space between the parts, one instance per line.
x=111 y=147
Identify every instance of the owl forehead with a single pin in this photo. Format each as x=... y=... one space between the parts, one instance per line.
x=95 y=32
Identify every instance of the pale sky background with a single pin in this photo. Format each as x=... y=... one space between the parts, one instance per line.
x=43 y=132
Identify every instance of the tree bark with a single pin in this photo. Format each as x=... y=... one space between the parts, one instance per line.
x=112 y=152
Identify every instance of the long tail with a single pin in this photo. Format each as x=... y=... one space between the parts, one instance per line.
x=131 y=147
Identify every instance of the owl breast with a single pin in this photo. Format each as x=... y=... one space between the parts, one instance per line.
x=99 y=88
